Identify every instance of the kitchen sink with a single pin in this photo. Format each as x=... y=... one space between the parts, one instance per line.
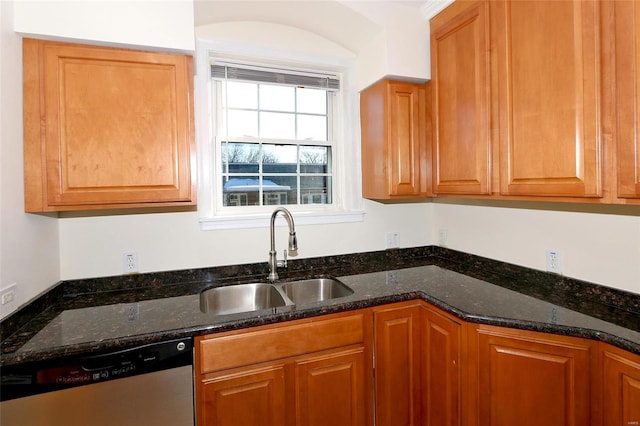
x=240 y=298
x=315 y=290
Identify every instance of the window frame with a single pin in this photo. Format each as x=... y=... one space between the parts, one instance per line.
x=220 y=138
x=347 y=202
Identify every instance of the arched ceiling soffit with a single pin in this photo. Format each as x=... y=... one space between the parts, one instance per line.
x=348 y=23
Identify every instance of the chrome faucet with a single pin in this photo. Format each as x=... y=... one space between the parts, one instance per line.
x=293 y=243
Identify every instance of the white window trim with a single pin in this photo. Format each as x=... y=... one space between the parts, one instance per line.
x=347 y=204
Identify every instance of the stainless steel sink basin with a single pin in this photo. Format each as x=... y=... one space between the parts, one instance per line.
x=315 y=290
x=240 y=298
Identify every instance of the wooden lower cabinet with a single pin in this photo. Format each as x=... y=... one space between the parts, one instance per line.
x=417 y=366
x=529 y=379
x=397 y=364
x=330 y=389
x=309 y=372
x=420 y=365
x=621 y=380
x=441 y=360
x=255 y=397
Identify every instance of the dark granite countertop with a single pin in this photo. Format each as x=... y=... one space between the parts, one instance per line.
x=90 y=316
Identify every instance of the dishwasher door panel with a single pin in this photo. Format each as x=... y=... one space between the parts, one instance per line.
x=159 y=398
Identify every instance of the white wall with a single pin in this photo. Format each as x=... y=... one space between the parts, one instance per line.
x=93 y=246
x=597 y=247
x=163 y=24
x=29 y=254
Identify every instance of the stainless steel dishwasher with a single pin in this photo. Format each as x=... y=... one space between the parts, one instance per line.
x=145 y=385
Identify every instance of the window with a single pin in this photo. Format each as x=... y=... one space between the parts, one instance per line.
x=274 y=134
x=283 y=132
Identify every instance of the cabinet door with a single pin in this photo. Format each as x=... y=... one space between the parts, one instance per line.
x=116 y=127
x=397 y=365
x=393 y=125
x=330 y=389
x=621 y=387
x=441 y=369
x=530 y=379
x=406 y=137
x=548 y=77
x=460 y=99
x=253 y=397
x=627 y=15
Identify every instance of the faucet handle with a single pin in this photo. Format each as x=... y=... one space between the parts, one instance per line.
x=282 y=263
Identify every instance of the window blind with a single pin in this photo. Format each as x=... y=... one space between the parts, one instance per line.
x=259 y=74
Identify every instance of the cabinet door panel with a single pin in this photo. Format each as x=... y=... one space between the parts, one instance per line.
x=530 y=379
x=397 y=366
x=621 y=388
x=405 y=141
x=330 y=389
x=116 y=127
x=250 y=398
x=460 y=94
x=548 y=69
x=441 y=369
x=627 y=15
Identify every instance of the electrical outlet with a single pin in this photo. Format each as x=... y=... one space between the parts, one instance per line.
x=130 y=263
x=554 y=261
x=393 y=240
x=8 y=294
x=443 y=236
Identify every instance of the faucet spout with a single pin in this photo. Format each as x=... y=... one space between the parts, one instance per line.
x=293 y=242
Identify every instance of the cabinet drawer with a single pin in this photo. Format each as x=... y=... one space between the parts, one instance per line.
x=221 y=352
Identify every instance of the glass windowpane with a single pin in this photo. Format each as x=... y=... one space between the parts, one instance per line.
x=242 y=95
x=279 y=158
x=311 y=101
x=315 y=159
x=315 y=189
x=279 y=190
x=276 y=125
x=241 y=191
x=242 y=123
x=312 y=127
x=277 y=98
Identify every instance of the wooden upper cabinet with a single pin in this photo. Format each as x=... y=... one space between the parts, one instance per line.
x=461 y=99
x=627 y=25
x=393 y=126
x=549 y=91
x=106 y=128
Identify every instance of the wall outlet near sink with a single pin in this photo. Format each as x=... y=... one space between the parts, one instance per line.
x=130 y=263
x=554 y=261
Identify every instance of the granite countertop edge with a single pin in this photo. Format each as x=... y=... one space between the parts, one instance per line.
x=467 y=266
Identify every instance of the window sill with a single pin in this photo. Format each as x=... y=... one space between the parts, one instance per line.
x=262 y=220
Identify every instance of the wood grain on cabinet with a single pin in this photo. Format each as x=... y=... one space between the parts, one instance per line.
x=627 y=58
x=528 y=378
x=461 y=137
x=315 y=371
x=547 y=69
x=254 y=397
x=621 y=387
x=397 y=364
x=394 y=151
x=330 y=389
x=106 y=127
x=441 y=368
